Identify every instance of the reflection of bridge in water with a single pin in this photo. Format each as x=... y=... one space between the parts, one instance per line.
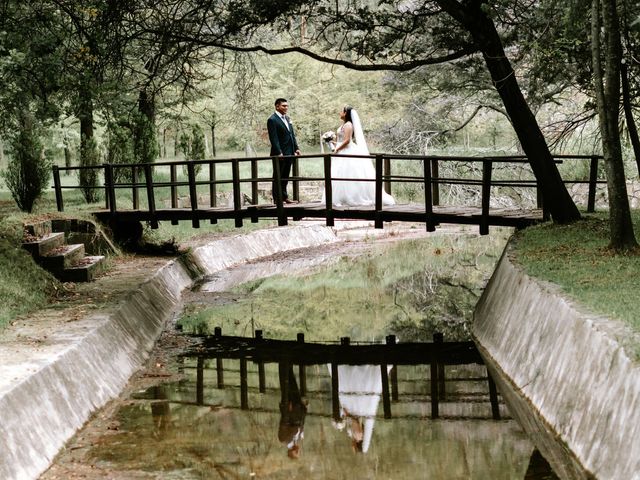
x=243 y=176
x=390 y=357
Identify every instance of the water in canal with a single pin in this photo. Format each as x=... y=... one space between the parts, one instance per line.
x=282 y=424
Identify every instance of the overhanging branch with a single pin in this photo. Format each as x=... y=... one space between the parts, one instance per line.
x=402 y=67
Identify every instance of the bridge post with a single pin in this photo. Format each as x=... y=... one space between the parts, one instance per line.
x=213 y=199
x=151 y=199
x=485 y=196
x=296 y=182
x=433 y=380
x=335 y=395
x=244 y=385
x=109 y=187
x=302 y=369
x=135 y=198
x=173 y=178
x=593 y=182
x=277 y=193
x=391 y=340
x=386 y=401
x=58 y=187
x=328 y=191
x=200 y=381
x=428 y=197
x=387 y=174
x=254 y=181
x=438 y=338
x=217 y=332
x=237 y=197
x=378 y=214
x=541 y=204
x=261 y=376
x=220 y=372
x=435 y=174
x=193 y=194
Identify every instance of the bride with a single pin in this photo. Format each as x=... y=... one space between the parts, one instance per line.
x=351 y=141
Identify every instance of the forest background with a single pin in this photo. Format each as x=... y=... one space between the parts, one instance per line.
x=136 y=78
x=83 y=70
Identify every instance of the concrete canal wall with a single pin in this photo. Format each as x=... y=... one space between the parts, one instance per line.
x=54 y=375
x=565 y=373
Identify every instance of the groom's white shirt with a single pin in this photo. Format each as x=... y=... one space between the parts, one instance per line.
x=284 y=120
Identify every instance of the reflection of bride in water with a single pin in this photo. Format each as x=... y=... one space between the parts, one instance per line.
x=359 y=391
x=351 y=141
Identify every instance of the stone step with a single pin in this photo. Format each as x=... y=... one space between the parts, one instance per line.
x=38 y=229
x=41 y=246
x=63 y=257
x=84 y=271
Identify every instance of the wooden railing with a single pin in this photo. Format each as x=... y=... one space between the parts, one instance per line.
x=260 y=350
x=429 y=178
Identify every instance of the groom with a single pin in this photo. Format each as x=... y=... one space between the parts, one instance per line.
x=283 y=144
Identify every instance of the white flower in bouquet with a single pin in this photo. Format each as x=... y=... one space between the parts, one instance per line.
x=329 y=139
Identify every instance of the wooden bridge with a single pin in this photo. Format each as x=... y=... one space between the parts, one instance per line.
x=287 y=353
x=204 y=180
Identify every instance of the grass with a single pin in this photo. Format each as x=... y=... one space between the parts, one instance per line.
x=576 y=258
x=412 y=289
x=24 y=287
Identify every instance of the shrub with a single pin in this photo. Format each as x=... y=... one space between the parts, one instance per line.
x=120 y=151
x=145 y=145
x=28 y=173
x=88 y=177
x=193 y=146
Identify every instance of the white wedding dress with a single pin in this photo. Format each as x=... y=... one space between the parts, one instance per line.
x=354 y=193
x=360 y=389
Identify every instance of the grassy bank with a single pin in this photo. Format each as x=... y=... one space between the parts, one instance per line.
x=24 y=286
x=576 y=258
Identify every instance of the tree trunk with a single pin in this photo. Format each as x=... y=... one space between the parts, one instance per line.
x=213 y=138
x=628 y=114
x=483 y=31
x=88 y=178
x=86 y=123
x=164 y=142
x=607 y=88
x=146 y=105
x=145 y=144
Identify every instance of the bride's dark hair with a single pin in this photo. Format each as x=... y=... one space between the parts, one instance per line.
x=347 y=118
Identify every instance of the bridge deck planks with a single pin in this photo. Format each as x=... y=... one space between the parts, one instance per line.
x=401 y=212
x=268 y=350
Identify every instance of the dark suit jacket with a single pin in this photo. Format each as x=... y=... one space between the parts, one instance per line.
x=283 y=141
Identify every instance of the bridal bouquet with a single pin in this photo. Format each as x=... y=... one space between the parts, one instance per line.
x=329 y=139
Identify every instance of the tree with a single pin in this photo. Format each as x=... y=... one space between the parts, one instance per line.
x=28 y=172
x=389 y=35
x=192 y=145
x=607 y=89
x=30 y=81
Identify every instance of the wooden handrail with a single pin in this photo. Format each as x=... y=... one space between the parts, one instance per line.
x=383 y=181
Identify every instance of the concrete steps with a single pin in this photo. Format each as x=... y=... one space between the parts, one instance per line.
x=68 y=263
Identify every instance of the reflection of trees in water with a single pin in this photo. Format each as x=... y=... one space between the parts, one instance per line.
x=430 y=303
x=412 y=288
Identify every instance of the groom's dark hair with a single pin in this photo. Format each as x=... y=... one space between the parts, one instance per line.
x=279 y=101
